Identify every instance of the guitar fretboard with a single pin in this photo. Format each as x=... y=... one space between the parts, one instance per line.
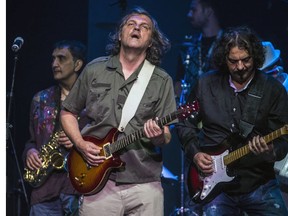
x=235 y=155
x=122 y=143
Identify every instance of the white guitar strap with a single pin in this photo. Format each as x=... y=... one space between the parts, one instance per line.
x=135 y=95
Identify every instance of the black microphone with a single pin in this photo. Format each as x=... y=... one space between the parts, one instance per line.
x=17 y=44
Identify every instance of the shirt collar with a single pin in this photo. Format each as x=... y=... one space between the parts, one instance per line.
x=234 y=87
x=114 y=64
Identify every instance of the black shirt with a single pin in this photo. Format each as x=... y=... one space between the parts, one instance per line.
x=220 y=112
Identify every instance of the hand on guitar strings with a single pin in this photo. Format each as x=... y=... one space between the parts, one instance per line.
x=204 y=163
x=91 y=153
x=33 y=160
x=154 y=132
x=259 y=147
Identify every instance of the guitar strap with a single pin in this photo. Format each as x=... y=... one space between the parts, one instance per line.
x=135 y=95
x=252 y=105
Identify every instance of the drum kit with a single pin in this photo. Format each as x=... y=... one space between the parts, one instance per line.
x=188 y=50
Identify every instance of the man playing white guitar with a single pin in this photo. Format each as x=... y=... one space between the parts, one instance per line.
x=244 y=131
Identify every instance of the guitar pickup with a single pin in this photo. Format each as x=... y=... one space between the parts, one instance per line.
x=107 y=151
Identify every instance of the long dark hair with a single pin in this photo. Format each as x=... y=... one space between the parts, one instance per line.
x=242 y=37
x=160 y=44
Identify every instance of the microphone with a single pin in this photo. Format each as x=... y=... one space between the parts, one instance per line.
x=17 y=44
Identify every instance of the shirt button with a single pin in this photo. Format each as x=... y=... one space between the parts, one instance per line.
x=233 y=125
x=234 y=109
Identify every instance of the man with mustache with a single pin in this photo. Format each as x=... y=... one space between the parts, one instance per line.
x=55 y=196
x=237 y=99
x=104 y=87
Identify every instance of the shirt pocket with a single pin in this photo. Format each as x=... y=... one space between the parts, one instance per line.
x=99 y=99
x=146 y=110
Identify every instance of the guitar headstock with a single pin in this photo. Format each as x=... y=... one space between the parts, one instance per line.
x=189 y=109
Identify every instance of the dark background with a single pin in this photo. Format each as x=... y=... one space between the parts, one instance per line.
x=41 y=23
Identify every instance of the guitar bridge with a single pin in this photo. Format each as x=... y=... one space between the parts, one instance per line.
x=107 y=151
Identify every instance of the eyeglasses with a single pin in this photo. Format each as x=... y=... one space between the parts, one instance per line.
x=244 y=61
x=143 y=26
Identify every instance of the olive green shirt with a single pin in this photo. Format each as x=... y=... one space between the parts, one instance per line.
x=102 y=90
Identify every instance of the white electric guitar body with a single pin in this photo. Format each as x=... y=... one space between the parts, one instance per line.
x=219 y=175
x=205 y=188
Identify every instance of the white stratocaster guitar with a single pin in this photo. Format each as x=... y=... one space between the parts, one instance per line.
x=204 y=188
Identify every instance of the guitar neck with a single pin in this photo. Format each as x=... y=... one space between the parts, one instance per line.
x=237 y=154
x=122 y=143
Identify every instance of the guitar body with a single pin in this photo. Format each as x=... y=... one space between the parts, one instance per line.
x=88 y=179
x=205 y=188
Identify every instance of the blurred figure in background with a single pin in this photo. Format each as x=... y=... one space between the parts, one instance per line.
x=195 y=57
x=273 y=66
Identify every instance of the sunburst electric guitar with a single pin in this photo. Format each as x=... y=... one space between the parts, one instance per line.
x=205 y=188
x=88 y=179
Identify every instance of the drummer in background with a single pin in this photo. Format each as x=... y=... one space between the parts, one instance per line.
x=195 y=55
x=273 y=65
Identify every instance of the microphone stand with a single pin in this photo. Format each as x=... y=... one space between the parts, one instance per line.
x=9 y=137
x=183 y=99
